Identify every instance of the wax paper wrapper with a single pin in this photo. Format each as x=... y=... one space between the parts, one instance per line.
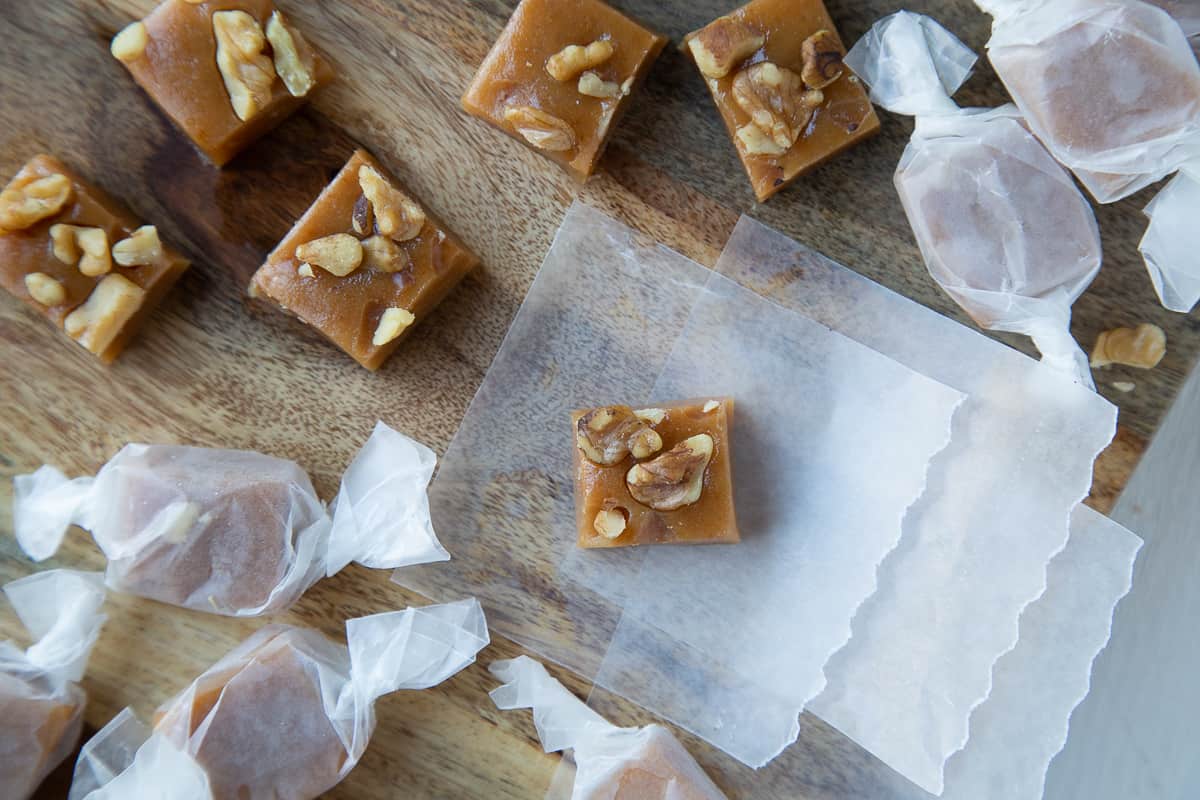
x=1111 y=87
x=1001 y=226
x=648 y=763
x=41 y=702
x=230 y=531
x=286 y=714
x=1171 y=246
x=977 y=544
x=831 y=442
x=1186 y=13
x=1023 y=723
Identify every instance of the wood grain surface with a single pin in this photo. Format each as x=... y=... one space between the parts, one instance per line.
x=210 y=369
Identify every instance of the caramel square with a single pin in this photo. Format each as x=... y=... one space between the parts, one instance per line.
x=753 y=61
x=562 y=117
x=80 y=258
x=407 y=261
x=173 y=55
x=641 y=478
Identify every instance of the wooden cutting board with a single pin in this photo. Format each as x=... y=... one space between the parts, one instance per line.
x=211 y=370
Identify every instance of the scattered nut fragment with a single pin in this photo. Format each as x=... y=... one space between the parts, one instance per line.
x=112 y=303
x=1124 y=386
x=25 y=202
x=717 y=47
x=610 y=522
x=778 y=106
x=62 y=239
x=651 y=416
x=396 y=215
x=130 y=43
x=674 y=479
x=294 y=60
x=392 y=323
x=81 y=246
x=383 y=254
x=362 y=218
x=141 y=247
x=44 y=289
x=593 y=85
x=543 y=131
x=305 y=270
x=338 y=254
x=607 y=435
x=711 y=405
x=1142 y=347
x=247 y=71
x=821 y=55
x=574 y=59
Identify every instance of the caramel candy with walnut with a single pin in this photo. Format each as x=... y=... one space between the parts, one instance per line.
x=774 y=69
x=675 y=487
x=224 y=71
x=560 y=75
x=81 y=259
x=379 y=263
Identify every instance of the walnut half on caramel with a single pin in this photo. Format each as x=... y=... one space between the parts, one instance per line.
x=778 y=105
x=722 y=44
x=608 y=435
x=674 y=479
x=821 y=55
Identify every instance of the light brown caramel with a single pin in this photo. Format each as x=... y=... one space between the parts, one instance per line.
x=515 y=75
x=348 y=310
x=845 y=117
x=710 y=519
x=38 y=732
x=30 y=250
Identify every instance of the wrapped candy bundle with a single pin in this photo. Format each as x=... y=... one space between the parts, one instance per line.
x=234 y=532
x=41 y=703
x=221 y=737
x=1001 y=226
x=611 y=763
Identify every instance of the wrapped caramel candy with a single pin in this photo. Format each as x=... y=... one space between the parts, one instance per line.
x=286 y=715
x=41 y=703
x=234 y=532
x=611 y=763
x=1001 y=226
x=1172 y=241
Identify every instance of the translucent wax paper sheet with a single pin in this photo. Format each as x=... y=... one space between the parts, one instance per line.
x=648 y=763
x=41 y=702
x=831 y=442
x=234 y=532
x=1035 y=686
x=976 y=545
x=1001 y=226
x=1171 y=245
x=1185 y=12
x=1111 y=87
x=288 y=713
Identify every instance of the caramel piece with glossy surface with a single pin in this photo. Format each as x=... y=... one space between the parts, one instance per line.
x=843 y=117
x=607 y=513
x=412 y=275
x=61 y=287
x=177 y=67
x=516 y=89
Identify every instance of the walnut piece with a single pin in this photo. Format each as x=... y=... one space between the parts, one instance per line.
x=778 y=105
x=338 y=254
x=821 y=56
x=723 y=43
x=543 y=131
x=362 y=219
x=247 y=71
x=396 y=215
x=130 y=43
x=112 y=303
x=1142 y=347
x=574 y=59
x=593 y=85
x=651 y=416
x=141 y=247
x=294 y=60
x=607 y=435
x=25 y=202
x=382 y=254
x=610 y=522
x=674 y=479
x=305 y=270
x=44 y=289
x=392 y=323
x=711 y=405
x=84 y=247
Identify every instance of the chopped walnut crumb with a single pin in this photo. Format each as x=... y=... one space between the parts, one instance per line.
x=574 y=59
x=821 y=55
x=543 y=131
x=397 y=216
x=246 y=70
x=722 y=44
x=27 y=201
x=1142 y=347
x=392 y=323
